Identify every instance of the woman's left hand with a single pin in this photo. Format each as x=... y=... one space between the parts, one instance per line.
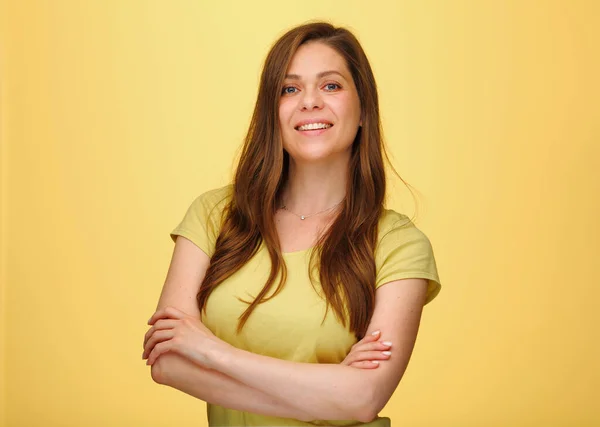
x=174 y=330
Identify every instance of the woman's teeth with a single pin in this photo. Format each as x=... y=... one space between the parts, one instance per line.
x=313 y=126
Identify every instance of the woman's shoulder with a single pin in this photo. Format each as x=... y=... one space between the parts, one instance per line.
x=398 y=227
x=390 y=219
x=214 y=198
x=404 y=251
x=210 y=203
x=217 y=194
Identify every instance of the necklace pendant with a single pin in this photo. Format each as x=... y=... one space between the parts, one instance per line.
x=302 y=217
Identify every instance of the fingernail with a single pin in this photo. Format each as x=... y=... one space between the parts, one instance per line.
x=386 y=343
x=375 y=362
x=375 y=333
x=387 y=353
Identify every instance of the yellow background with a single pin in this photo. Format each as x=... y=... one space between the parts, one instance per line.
x=116 y=114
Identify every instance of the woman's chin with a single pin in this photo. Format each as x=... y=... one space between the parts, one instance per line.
x=316 y=155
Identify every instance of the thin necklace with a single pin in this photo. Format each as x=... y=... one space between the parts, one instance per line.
x=316 y=213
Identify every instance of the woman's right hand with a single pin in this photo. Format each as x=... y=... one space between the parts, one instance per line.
x=366 y=353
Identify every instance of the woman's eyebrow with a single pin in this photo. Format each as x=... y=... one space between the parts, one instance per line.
x=321 y=74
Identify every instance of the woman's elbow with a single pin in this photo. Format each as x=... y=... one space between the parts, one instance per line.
x=160 y=367
x=367 y=416
x=365 y=408
x=365 y=413
x=156 y=372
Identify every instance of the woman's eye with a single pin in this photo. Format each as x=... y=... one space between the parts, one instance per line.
x=285 y=90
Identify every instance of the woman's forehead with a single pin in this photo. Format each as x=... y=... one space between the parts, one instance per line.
x=316 y=60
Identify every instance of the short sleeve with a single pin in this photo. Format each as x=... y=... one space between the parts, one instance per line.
x=202 y=220
x=405 y=252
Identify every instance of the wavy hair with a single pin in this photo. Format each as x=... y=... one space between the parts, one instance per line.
x=346 y=251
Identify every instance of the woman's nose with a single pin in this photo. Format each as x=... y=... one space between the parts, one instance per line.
x=311 y=99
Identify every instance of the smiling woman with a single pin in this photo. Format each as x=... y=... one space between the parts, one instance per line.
x=338 y=115
x=329 y=343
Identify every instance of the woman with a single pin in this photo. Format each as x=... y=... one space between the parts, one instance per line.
x=291 y=317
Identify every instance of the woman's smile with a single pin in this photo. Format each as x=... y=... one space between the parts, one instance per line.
x=313 y=132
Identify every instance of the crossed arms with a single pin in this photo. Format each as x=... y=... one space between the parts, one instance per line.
x=305 y=391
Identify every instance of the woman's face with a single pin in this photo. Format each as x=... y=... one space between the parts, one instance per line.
x=310 y=95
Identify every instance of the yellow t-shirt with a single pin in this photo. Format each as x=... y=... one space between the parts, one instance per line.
x=289 y=326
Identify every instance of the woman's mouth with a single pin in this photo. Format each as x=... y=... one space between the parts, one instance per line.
x=314 y=132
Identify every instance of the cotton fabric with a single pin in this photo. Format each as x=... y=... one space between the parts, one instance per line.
x=290 y=326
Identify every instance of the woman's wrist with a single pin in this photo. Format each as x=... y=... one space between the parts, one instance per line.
x=219 y=355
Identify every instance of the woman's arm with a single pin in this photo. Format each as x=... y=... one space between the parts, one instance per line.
x=186 y=271
x=214 y=387
x=326 y=391
x=339 y=392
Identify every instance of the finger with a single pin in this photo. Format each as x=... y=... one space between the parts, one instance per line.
x=369 y=355
x=159 y=349
x=367 y=364
x=377 y=345
x=157 y=337
x=369 y=338
x=353 y=358
x=160 y=324
x=366 y=339
x=374 y=336
x=165 y=313
x=371 y=346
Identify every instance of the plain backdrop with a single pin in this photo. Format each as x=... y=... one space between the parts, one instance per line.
x=116 y=114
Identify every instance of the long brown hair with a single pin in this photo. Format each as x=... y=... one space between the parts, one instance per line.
x=346 y=250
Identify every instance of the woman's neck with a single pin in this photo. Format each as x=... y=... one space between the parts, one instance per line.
x=311 y=189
